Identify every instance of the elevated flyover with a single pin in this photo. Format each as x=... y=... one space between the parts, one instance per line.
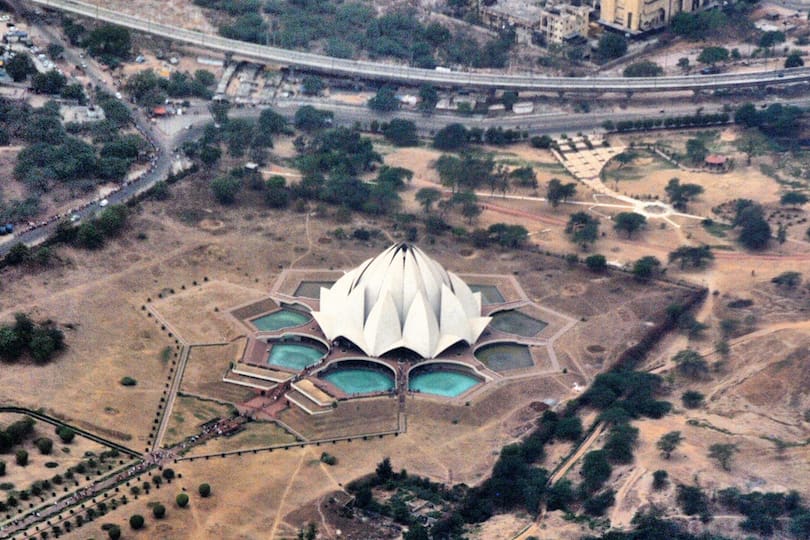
x=411 y=75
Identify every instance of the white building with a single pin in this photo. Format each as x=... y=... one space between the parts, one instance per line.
x=401 y=299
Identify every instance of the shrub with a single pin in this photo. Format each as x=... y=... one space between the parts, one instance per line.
x=597 y=504
x=2 y=468
x=44 y=445
x=692 y=399
x=204 y=490
x=136 y=521
x=596 y=263
x=128 y=381
x=114 y=532
x=660 y=478
x=159 y=511
x=168 y=474
x=65 y=434
x=181 y=500
x=21 y=458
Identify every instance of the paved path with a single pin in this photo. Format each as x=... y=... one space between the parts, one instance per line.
x=170 y=398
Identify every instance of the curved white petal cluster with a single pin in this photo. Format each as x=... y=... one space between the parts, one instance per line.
x=401 y=298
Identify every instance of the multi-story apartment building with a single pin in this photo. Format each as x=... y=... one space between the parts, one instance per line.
x=636 y=16
x=555 y=23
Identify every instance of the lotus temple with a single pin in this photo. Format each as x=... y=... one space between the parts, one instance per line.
x=399 y=324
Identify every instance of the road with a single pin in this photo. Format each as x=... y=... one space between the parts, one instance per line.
x=411 y=75
x=159 y=167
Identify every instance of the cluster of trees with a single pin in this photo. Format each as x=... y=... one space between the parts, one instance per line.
x=349 y=28
x=241 y=136
x=645 y=68
x=456 y=137
x=40 y=341
x=781 y=121
x=694 y=120
x=582 y=228
x=92 y=234
x=680 y=194
x=148 y=89
x=755 y=232
x=109 y=43
x=54 y=156
x=610 y=46
x=15 y=433
x=763 y=511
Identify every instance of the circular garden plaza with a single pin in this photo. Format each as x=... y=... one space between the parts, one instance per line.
x=398 y=325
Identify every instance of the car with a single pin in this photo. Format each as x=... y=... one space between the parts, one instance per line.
x=74 y=218
x=103 y=202
x=781 y=75
x=118 y=95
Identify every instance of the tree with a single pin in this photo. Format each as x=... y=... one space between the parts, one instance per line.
x=204 y=490
x=723 y=453
x=21 y=458
x=683 y=63
x=89 y=237
x=225 y=189
x=114 y=532
x=712 y=55
x=692 y=399
x=20 y=66
x=136 y=521
x=428 y=97
x=771 y=38
x=595 y=470
x=159 y=511
x=752 y=143
x=695 y=256
x=690 y=364
x=660 y=479
x=583 y=228
x=312 y=85
x=450 y=137
x=646 y=267
x=2 y=468
x=794 y=60
x=384 y=101
x=209 y=155
x=696 y=151
x=384 y=470
x=680 y=194
x=596 y=263
x=568 y=428
x=110 y=43
x=66 y=434
x=793 y=198
x=508 y=236
x=788 y=280
x=416 y=532
x=755 y=232
x=470 y=209
x=668 y=443
x=308 y=118
x=401 y=132
x=644 y=69
x=427 y=196
x=692 y=500
x=51 y=82
x=629 y=222
x=558 y=192
x=560 y=495
x=611 y=46
x=181 y=500
x=44 y=445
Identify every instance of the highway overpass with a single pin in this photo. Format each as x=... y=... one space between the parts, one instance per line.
x=411 y=75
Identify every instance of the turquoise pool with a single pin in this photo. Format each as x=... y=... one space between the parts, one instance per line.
x=283 y=318
x=442 y=382
x=505 y=356
x=294 y=355
x=359 y=380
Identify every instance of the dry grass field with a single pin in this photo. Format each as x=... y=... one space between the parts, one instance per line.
x=754 y=394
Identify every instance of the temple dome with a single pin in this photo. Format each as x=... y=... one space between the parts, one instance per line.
x=401 y=298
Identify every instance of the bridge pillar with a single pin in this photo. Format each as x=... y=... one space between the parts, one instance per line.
x=629 y=94
x=560 y=93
